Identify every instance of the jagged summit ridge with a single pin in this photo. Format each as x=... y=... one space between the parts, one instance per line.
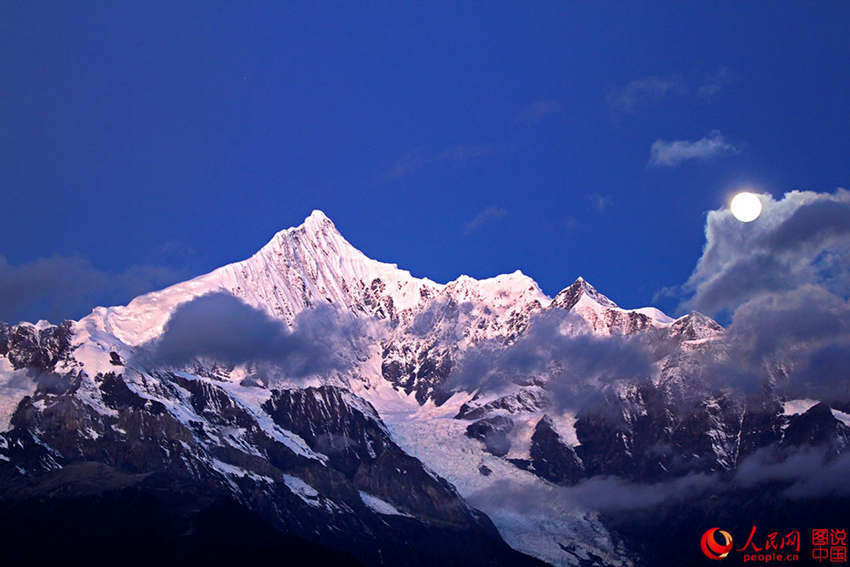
x=301 y=267
x=298 y=268
x=568 y=297
x=603 y=315
x=313 y=264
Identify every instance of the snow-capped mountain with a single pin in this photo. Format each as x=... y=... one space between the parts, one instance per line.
x=389 y=457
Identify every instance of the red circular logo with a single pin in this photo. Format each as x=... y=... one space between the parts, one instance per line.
x=711 y=548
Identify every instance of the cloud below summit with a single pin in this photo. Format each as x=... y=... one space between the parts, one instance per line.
x=559 y=345
x=223 y=328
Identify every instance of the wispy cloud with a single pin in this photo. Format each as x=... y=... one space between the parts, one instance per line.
x=670 y=153
x=600 y=202
x=489 y=214
x=640 y=92
x=716 y=82
x=408 y=163
x=463 y=153
x=535 y=112
x=421 y=157
x=606 y=494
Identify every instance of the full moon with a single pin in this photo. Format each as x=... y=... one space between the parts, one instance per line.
x=746 y=207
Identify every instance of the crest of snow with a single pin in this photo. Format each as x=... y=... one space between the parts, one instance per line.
x=501 y=290
x=380 y=506
x=656 y=315
x=842 y=417
x=93 y=345
x=300 y=267
x=794 y=407
x=312 y=264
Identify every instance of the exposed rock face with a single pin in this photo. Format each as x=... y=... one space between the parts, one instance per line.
x=348 y=430
x=553 y=459
x=525 y=400
x=493 y=431
x=569 y=297
x=308 y=462
x=695 y=326
x=27 y=346
x=420 y=353
x=817 y=427
x=602 y=315
x=421 y=367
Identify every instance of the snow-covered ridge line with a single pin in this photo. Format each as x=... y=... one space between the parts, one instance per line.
x=313 y=263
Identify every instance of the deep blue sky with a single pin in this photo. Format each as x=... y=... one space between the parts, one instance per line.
x=184 y=135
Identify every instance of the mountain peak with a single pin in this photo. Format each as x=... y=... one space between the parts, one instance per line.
x=315 y=222
x=317 y=232
x=695 y=326
x=568 y=297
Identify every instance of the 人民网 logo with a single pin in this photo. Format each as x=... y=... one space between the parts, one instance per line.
x=710 y=546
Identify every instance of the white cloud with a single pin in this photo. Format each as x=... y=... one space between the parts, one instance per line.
x=600 y=202
x=670 y=153
x=419 y=158
x=639 y=92
x=487 y=215
x=535 y=113
x=803 y=238
x=716 y=82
